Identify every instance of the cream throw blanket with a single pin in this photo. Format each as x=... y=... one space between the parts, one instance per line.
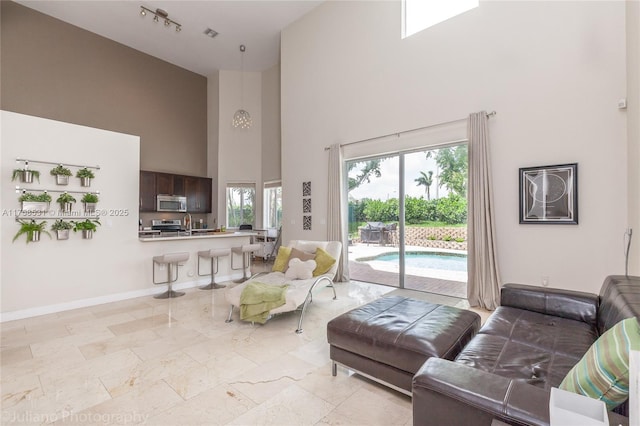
x=258 y=299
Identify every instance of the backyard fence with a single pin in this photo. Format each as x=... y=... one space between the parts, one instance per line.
x=442 y=237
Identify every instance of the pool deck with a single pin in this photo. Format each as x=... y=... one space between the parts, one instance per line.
x=448 y=283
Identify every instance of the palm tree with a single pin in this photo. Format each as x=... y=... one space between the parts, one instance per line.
x=426 y=179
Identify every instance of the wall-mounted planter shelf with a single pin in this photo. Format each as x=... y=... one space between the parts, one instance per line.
x=56 y=163
x=18 y=190
x=53 y=217
x=38 y=210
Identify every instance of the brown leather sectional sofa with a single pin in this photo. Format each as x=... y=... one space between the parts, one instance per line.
x=526 y=347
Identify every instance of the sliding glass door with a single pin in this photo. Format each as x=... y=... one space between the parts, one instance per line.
x=373 y=219
x=407 y=220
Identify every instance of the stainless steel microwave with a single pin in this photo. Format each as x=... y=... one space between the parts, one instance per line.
x=171 y=203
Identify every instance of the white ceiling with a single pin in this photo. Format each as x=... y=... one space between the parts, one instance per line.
x=254 y=23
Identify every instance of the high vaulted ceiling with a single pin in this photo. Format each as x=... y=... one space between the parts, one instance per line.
x=256 y=24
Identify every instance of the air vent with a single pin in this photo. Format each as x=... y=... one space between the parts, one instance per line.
x=210 y=33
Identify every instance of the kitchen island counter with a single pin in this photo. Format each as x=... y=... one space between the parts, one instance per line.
x=198 y=236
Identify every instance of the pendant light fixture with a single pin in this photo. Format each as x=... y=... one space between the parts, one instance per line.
x=242 y=119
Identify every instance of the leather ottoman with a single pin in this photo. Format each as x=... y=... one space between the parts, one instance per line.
x=389 y=339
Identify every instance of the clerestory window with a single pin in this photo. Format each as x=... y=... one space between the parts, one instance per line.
x=418 y=15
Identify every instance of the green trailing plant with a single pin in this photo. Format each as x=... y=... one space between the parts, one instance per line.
x=65 y=198
x=85 y=173
x=29 y=227
x=431 y=238
x=86 y=225
x=61 y=225
x=447 y=238
x=61 y=170
x=41 y=198
x=89 y=198
x=17 y=173
x=459 y=240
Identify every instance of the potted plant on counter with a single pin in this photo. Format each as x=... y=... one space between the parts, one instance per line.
x=33 y=202
x=62 y=174
x=62 y=228
x=26 y=175
x=90 y=200
x=32 y=229
x=85 y=176
x=87 y=226
x=66 y=201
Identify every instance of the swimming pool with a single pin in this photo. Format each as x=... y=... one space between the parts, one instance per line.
x=428 y=260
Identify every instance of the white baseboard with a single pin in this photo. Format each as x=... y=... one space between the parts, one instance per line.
x=83 y=303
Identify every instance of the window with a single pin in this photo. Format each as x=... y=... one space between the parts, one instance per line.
x=241 y=202
x=418 y=15
x=272 y=205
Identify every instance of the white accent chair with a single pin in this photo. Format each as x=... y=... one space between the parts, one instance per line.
x=299 y=294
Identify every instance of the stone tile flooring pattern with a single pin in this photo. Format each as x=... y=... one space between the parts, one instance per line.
x=176 y=362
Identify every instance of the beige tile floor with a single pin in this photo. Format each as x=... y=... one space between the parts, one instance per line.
x=176 y=362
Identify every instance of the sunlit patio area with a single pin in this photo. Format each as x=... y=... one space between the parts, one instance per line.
x=364 y=265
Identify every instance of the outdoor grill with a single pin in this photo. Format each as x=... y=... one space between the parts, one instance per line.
x=374 y=232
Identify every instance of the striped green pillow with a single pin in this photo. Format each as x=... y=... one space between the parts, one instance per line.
x=603 y=371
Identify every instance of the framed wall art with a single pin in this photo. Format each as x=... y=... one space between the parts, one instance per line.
x=549 y=194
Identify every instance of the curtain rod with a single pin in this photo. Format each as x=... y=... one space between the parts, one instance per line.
x=326 y=148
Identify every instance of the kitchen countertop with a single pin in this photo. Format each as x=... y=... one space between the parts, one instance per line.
x=199 y=236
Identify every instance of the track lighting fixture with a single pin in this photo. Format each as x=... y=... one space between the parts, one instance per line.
x=160 y=14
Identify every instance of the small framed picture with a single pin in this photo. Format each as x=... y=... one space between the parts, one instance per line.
x=549 y=194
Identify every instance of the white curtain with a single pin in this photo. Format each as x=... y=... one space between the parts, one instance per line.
x=335 y=215
x=483 y=288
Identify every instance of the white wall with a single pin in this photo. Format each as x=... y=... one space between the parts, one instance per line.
x=553 y=71
x=213 y=118
x=50 y=271
x=271 y=135
x=633 y=130
x=239 y=150
x=50 y=275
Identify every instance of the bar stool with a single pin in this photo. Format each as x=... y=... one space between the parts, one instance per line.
x=246 y=251
x=212 y=254
x=171 y=261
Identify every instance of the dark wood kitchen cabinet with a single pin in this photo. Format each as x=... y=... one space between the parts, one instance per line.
x=147 y=191
x=164 y=184
x=198 y=192
x=196 y=189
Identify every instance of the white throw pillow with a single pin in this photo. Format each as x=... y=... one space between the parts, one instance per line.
x=299 y=270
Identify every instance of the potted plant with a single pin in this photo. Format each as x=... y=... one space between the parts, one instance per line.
x=33 y=202
x=66 y=201
x=90 y=200
x=87 y=226
x=85 y=176
x=62 y=228
x=25 y=175
x=32 y=229
x=62 y=174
